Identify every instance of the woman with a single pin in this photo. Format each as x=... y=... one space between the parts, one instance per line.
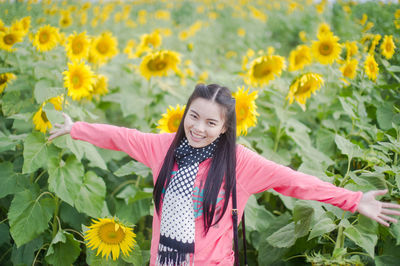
x=194 y=171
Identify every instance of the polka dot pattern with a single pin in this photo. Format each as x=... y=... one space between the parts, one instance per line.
x=177 y=216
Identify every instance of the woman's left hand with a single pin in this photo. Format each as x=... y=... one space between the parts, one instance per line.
x=377 y=210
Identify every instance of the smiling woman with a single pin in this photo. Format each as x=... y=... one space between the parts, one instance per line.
x=196 y=171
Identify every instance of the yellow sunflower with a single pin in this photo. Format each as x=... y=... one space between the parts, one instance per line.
x=103 y=48
x=170 y=120
x=351 y=49
x=5 y=79
x=302 y=87
x=264 y=69
x=374 y=43
x=22 y=25
x=46 y=38
x=110 y=236
x=2 y=26
x=159 y=63
x=154 y=39
x=349 y=68
x=99 y=85
x=40 y=120
x=327 y=49
x=299 y=58
x=371 y=67
x=78 y=79
x=324 y=29
x=128 y=50
x=77 y=46
x=388 y=46
x=8 y=38
x=246 y=114
x=65 y=20
x=57 y=102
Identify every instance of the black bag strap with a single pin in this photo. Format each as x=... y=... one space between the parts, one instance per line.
x=235 y=229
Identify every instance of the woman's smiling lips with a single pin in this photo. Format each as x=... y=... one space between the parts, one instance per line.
x=196 y=137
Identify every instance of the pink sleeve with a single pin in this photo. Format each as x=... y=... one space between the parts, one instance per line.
x=147 y=148
x=257 y=174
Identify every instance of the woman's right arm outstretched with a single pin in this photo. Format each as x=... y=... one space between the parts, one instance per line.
x=147 y=148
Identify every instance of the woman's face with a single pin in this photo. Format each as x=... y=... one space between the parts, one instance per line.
x=204 y=122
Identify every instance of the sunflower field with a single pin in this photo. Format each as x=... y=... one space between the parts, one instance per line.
x=317 y=88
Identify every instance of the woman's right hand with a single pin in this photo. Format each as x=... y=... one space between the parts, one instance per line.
x=61 y=129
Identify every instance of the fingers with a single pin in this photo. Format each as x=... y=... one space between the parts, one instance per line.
x=379 y=192
x=381 y=221
x=390 y=212
x=390 y=205
x=388 y=218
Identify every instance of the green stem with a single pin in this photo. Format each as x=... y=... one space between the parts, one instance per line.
x=5 y=253
x=138 y=181
x=55 y=217
x=37 y=178
x=340 y=237
x=37 y=254
x=278 y=136
x=347 y=176
x=131 y=181
x=74 y=231
x=3 y=220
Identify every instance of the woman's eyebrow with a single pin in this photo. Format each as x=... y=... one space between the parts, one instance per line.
x=209 y=119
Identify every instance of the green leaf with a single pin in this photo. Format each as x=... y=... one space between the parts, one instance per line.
x=284 y=237
x=4 y=234
x=365 y=240
x=257 y=217
x=348 y=148
x=386 y=116
x=44 y=90
x=81 y=149
x=347 y=107
x=36 y=152
x=133 y=167
x=11 y=103
x=386 y=260
x=91 y=196
x=323 y=226
x=65 y=178
x=28 y=216
x=7 y=144
x=8 y=179
x=63 y=250
x=25 y=254
x=135 y=256
x=302 y=216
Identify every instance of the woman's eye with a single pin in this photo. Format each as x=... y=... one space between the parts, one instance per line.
x=212 y=123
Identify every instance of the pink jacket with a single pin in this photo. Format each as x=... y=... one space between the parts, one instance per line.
x=254 y=174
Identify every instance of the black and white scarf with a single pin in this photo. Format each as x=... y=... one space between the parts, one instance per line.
x=177 y=230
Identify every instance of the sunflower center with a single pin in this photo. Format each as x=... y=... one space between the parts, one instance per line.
x=261 y=71
x=3 y=79
x=371 y=67
x=44 y=37
x=173 y=123
x=303 y=89
x=157 y=65
x=76 y=80
x=388 y=46
x=77 y=47
x=325 y=48
x=44 y=117
x=299 y=58
x=9 y=39
x=242 y=113
x=348 y=71
x=108 y=235
x=102 y=47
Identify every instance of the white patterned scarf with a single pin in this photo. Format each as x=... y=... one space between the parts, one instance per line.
x=177 y=230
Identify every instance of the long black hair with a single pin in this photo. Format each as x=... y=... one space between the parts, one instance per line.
x=223 y=165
